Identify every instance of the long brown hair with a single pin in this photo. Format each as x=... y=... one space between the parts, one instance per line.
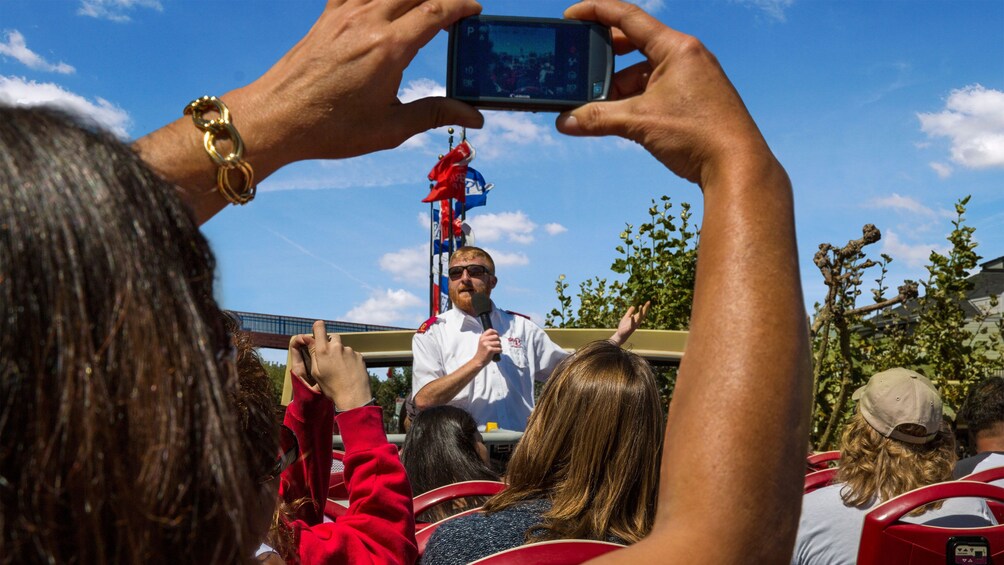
x=118 y=436
x=874 y=468
x=592 y=448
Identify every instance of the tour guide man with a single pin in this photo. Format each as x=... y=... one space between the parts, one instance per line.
x=453 y=354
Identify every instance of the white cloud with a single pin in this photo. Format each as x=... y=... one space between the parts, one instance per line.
x=503 y=259
x=501 y=134
x=973 y=119
x=773 y=8
x=420 y=88
x=410 y=264
x=506 y=130
x=16 y=48
x=943 y=170
x=914 y=255
x=555 y=229
x=115 y=10
x=389 y=308
x=513 y=226
x=905 y=204
x=16 y=91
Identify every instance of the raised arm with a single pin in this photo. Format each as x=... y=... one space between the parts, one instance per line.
x=379 y=525
x=333 y=95
x=738 y=423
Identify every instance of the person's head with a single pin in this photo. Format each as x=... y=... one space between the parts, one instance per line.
x=592 y=447
x=119 y=441
x=442 y=447
x=983 y=415
x=256 y=405
x=471 y=270
x=896 y=441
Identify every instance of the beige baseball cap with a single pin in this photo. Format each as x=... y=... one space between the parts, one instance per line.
x=900 y=396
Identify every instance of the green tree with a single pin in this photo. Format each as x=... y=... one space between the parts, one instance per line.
x=277 y=374
x=387 y=391
x=934 y=335
x=657 y=263
x=929 y=333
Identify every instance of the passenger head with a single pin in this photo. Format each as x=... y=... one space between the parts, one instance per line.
x=256 y=405
x=118 y=437
x=592 y=447
x=896 y=441
x=983 y=414
x=442 y=447
x=479 y=276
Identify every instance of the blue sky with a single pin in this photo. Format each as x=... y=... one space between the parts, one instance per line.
x=883 y=112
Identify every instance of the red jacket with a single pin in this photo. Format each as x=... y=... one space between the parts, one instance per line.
x=379 y=526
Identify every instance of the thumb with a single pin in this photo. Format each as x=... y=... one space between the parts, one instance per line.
x=596 y=118
x=436 y=111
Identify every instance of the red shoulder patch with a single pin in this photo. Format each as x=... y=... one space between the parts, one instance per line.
x=426 y=325
x=517 y=314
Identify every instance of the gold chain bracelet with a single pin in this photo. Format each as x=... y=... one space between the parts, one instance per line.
x=215 y=130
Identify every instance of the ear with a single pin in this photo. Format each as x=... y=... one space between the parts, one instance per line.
x=494 y=281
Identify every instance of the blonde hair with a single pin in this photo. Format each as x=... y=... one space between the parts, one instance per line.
x=592 y=448
x=874 y=468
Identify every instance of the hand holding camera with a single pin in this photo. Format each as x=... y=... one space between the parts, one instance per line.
x=337 y=371
x=678 y=104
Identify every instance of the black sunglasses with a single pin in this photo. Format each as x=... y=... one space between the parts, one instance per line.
x=457 y=271
x=289 y=451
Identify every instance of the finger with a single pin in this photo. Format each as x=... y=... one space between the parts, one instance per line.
x=320 y=336
x=621 y=44
x=598 y=118
x=433 y=112
x=644 y=31
x=335 y=341
x=420 y=24
x=630 y=81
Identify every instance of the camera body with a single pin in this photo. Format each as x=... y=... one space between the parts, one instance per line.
x=531 y=64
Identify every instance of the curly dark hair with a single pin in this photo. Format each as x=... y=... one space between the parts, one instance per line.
x=984 y=407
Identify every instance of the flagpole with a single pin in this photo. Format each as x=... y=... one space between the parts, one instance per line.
x=451 y=247
x=434 y=296
x=463 y=209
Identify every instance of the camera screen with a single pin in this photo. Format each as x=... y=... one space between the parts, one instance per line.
x=522 y=60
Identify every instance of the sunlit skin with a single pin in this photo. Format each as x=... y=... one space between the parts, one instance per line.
x=462 y=288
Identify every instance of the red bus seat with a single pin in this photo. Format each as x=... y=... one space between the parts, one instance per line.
x=334 y=509
x=887 y=541
x=446 y=493
x=990 y=475
x=821 y=460
x=819 y=479
x=557 y=552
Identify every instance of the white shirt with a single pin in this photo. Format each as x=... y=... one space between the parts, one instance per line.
x=501 y=392
x=830 y=532
x=992 y=460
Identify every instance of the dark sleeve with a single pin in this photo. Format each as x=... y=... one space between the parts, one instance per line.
x=968 y=465
x=379 y=526
x=311 y=416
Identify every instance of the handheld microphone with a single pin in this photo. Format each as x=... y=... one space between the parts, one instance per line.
x=483 y=309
